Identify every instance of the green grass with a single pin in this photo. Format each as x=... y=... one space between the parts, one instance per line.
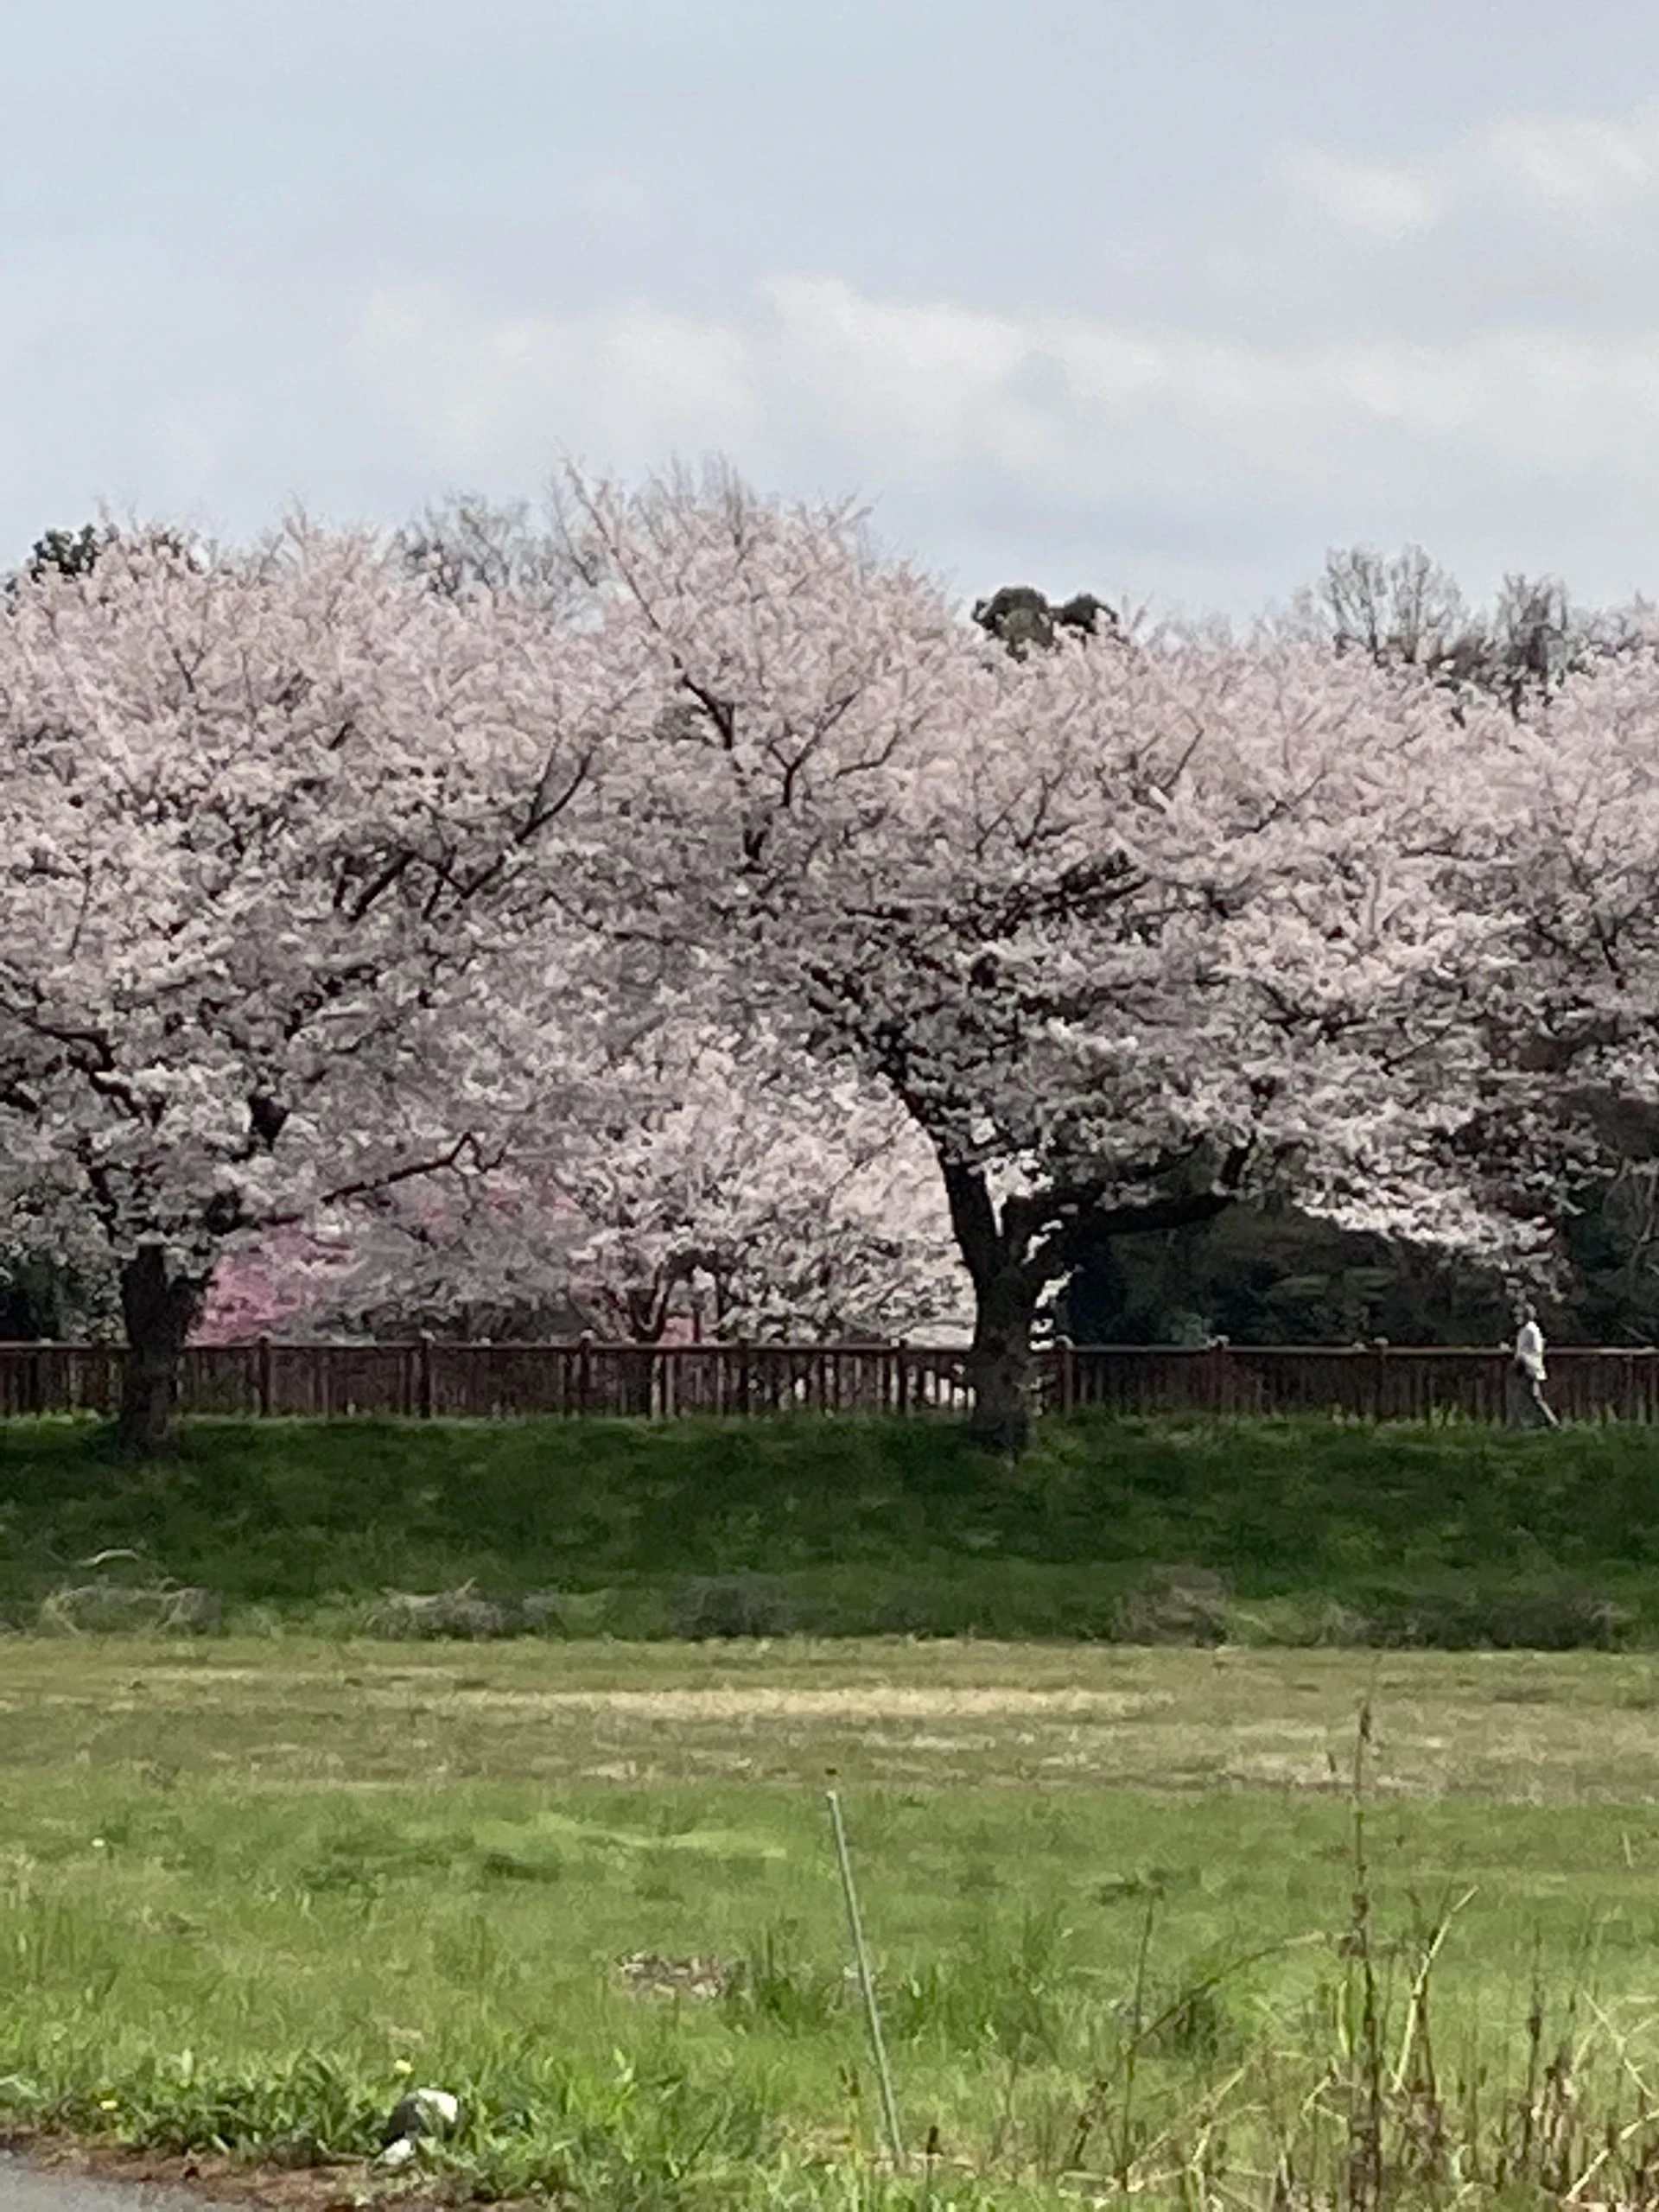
x=250 y=1889
x=1256 y=1531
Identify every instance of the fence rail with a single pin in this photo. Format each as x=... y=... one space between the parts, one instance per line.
x=486 y=1381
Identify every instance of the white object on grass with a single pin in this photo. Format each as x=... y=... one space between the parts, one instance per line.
x=423 y=2111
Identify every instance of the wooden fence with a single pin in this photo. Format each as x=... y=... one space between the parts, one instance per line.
x=486 y=1381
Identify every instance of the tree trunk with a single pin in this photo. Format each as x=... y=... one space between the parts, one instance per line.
x=159 y=1310
x=999 y=1364
x=1035 y=1239
x=995 y=1251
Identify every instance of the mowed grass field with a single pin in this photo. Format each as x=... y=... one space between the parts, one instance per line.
x=251 y=1889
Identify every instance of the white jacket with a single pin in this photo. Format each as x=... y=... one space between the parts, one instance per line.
x=1530 y=1351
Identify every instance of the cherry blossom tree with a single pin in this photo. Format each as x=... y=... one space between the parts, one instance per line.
x=1566 y=804
x=487 y=1258
x=727 y=1188
x=280 y=821
x=475 y=868
x=1557 y=814
x=1129 y=927
x=767 y=1196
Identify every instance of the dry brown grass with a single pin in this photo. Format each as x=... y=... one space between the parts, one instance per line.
x=1529 y=1728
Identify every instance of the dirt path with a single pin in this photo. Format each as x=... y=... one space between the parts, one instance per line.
x=28 y=2189
x=65 y=2177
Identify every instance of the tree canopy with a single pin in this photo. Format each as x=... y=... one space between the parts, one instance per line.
x=695 y=894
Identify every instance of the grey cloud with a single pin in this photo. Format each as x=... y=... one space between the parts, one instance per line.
x=1550 y=440
x=1159 y=300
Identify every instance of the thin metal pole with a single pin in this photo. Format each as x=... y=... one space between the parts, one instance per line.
x=866 y=1981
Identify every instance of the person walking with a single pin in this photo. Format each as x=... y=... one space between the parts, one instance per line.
x=1527 y=1372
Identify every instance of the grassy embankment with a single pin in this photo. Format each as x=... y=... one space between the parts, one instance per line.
x=1252 y=1531
x=250 y=1889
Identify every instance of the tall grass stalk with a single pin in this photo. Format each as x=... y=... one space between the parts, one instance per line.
x=866 y=1982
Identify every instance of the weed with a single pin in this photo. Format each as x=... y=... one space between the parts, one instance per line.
x=731 y=1605
x=1174 y=1604
x=778 y=1987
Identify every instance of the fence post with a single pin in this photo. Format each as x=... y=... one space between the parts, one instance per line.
x=584 y=1371
x=1065 y=1381
x=426 y=1383
x=744 y=1375
x=1220 y=1365
x=262 y=1376
x=901 y=1376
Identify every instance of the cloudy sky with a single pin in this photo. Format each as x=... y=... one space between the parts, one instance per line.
x=1160 y=299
